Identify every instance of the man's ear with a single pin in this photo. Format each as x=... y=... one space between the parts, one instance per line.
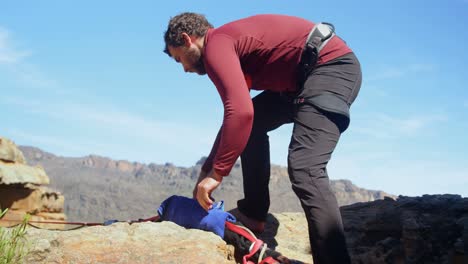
x=187 y=40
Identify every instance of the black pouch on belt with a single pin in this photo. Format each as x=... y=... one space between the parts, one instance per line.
x=334 y=107
x=318 y=37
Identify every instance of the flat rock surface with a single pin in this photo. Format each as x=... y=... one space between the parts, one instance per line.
x=123 y=243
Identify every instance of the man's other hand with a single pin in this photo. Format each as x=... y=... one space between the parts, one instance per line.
x=205 y=187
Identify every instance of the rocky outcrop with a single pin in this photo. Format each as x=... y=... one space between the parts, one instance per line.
x=427 y=229
x=123 y=243
x=23 y=188
x=10 y=153
x=432 y=229
x=163 y=242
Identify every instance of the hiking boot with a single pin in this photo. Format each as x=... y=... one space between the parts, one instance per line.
x=252 y=224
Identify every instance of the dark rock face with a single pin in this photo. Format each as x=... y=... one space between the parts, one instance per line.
x=427 y=229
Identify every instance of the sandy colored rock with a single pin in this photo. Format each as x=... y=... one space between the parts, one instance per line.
x=52 y=201
x=16 y=197
x=24 y=190
x=11 y=173
x=9 y=152
x=287 y=233
x=123 y=243
x=163 y=242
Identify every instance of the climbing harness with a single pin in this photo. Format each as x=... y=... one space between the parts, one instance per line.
x=335 y=107
x=318 y=37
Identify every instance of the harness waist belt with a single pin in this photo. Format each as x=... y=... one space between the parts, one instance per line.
x=319 y=36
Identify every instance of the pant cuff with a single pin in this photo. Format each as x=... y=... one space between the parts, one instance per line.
x=251 y=210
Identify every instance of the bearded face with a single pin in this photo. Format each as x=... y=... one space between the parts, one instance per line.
x=195 y=60
x=190 y=57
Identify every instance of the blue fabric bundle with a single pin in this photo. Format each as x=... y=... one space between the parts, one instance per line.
x=188 y=213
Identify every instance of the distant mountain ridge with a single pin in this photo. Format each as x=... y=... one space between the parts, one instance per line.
x=98 y=188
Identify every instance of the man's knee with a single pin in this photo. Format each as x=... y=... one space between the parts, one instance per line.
x=308 y=179
x=257 y=145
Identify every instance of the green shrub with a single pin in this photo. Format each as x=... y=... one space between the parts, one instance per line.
x=13 y=242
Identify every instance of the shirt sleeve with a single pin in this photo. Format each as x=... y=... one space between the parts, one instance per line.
x=208 y=165
x=223 y=67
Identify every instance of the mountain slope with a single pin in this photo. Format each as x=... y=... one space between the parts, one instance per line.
x=98 y=188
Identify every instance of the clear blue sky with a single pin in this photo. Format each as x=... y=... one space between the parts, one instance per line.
x=90 y=77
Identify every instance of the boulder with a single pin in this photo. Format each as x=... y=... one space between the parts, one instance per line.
x=13 y=173
x=31 y=198
x=23 y=189
x=427 y=229
x=123 y=243
x=9 y=152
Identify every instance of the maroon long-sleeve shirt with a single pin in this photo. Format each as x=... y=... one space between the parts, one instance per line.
x=267 y=48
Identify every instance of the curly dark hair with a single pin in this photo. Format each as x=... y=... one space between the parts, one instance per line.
x=191 y=23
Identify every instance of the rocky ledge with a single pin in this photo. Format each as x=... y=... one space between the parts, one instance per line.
x=427 y=229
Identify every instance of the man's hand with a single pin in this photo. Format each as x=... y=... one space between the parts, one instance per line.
x=205 y=187
x=202 y=175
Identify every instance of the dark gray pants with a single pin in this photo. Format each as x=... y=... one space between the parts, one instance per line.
x=314 y=137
